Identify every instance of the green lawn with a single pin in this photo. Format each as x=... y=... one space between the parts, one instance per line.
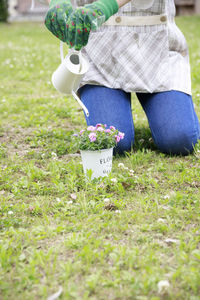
x=56 y=228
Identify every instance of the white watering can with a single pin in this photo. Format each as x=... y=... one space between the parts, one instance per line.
x=66 y=79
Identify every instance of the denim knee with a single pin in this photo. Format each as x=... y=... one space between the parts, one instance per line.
x=177 y=142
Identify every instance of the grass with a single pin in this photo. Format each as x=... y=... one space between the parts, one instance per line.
x=56 y=229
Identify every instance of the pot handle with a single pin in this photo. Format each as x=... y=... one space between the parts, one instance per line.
x=80 y=103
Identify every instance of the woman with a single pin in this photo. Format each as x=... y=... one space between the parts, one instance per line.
x=132 y=46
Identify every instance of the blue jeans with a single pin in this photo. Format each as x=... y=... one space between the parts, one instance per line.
x=173 y=122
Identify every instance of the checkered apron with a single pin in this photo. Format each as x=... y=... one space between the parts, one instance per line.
x=147 y=58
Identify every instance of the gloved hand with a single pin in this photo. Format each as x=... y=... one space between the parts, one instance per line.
x=56 y=18
x=74 y=26
x=84 y=19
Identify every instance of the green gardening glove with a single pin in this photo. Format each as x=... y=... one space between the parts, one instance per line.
x=56 y=18
x=84 y=19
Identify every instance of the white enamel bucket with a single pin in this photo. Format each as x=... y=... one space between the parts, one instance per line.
x=99 y=162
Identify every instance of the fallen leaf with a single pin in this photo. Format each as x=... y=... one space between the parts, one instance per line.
x=125 y=184
x=161 y=220
x=22 y=257
x=73 y=196
x=163 y=286
x=121 y=165
x=114 y=180
x=56 y=295
x=166 y=207
x=111 y=207
x=106 y=200
x=172 y=241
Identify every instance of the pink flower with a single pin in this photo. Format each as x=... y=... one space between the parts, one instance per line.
x=92 y=137
x=100 y=129
x=91 y=128
x=81 y=132
x=98 y=125
x=121 y=135
x=117 y=138
x=112 y=128
x=108 y=131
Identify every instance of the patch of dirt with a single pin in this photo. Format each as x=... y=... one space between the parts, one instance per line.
x=15 y=141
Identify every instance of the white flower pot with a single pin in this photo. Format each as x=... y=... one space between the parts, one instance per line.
x=99 y=161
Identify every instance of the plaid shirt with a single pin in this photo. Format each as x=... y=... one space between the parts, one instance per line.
x=144 y=59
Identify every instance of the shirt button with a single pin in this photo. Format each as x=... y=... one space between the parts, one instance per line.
x=163 y=19
x=118 y=20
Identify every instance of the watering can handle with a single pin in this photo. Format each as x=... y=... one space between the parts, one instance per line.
x=80 y=103
x=73 y=93
x=78 y=52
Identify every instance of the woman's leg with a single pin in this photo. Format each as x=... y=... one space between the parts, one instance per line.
x=111 y=107
x=173 y=122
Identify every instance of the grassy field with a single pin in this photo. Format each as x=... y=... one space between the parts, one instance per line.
x=56 y=229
